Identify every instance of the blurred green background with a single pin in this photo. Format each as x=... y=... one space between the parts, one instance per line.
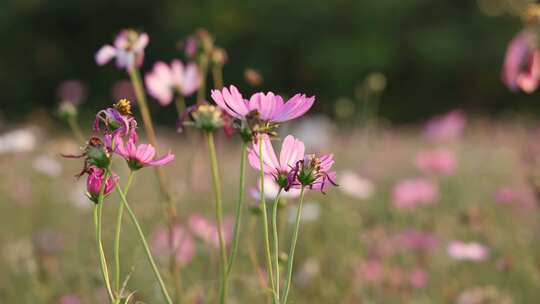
x=436 y=55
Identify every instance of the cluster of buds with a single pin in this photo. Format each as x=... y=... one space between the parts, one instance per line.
x=200 y=45
x=115 y=133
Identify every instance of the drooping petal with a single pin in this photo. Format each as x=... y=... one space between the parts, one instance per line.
x=105 y=54
x=167 y=158
x=516 y=54
x=529 y=78
x=295 y=107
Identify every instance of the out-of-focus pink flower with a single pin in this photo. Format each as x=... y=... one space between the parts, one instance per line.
x=73 y=91
x=506 y=195
x=521 y=69
x=47 y=165
x=190 y=47
x=95 y=180
x=70 y=299
x=370 y=271
x=270 y=107
x=128 y=49
x=356 y=185
x=418 y=278
x=463 y=251
x=164 y=80
x=182 y=243
x=48 y=242
x=414 y=192
x=139 y=156
x=207 y=231
x=123 y=89
x=447 y=127
x=437 y=161
x=417 y=240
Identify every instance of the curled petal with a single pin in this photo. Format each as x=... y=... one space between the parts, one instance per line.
x=167 y=158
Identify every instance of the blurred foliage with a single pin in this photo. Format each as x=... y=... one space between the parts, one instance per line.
x=436 y=55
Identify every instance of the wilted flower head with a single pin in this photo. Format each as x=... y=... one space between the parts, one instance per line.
x=183 y=246
x=313 y=172
x=166 y=80
x=437 y=161
x=128 y=49
x=463 y=251
x=94 y=183
x=414 y=192
x=116 y=120
x=447 y=127
x=139 y=156
x=521 y=68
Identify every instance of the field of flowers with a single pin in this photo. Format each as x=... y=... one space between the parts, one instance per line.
x=255 y=196
x=444 y=213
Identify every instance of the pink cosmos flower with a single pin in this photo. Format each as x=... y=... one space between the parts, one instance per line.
x=447 y=127
x=438 y=161
x=208 y=232
x=472 y=251
x=356 y=186
x=164 y=80
x=139 y=156
x=292 y=151
x=521 y=69
x=270 y=107
x=183 y=245
x=411 y=193
x=95 y=180
x=506 y=195
x=128 y=49
x=271 y=189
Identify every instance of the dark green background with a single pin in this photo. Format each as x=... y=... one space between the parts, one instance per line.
x=437 y=55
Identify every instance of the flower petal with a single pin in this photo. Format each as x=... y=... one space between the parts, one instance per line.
x=167 y=158
x=295 y=107
x=105 y=54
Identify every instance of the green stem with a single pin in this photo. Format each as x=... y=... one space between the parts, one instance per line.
x=239 y=208
x=97 y=223
x=180 y=103
x=276 y=240
x=293 y=247
x=265 y=226
x=146 y=248
x=203 y=66
x=219 y=215
x=74 y=126
x=117 y=237
x=217 y=74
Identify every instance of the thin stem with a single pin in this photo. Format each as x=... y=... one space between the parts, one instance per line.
x=219 y=215
x=239 y=208
x=74 y=126
x=276 y=240
x=180 y=103
x=265 y=226
x=146 y=248
x=217 y=74
x=171 y=212
x=293 y=247
x=97 y=223
x=203 y=66
x=117 y=237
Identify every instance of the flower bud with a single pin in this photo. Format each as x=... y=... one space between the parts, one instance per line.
x=67 y=110
x=97 y=154
x=94 y=183
x=252 y=77
x=207 y=117
x=219 y=56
